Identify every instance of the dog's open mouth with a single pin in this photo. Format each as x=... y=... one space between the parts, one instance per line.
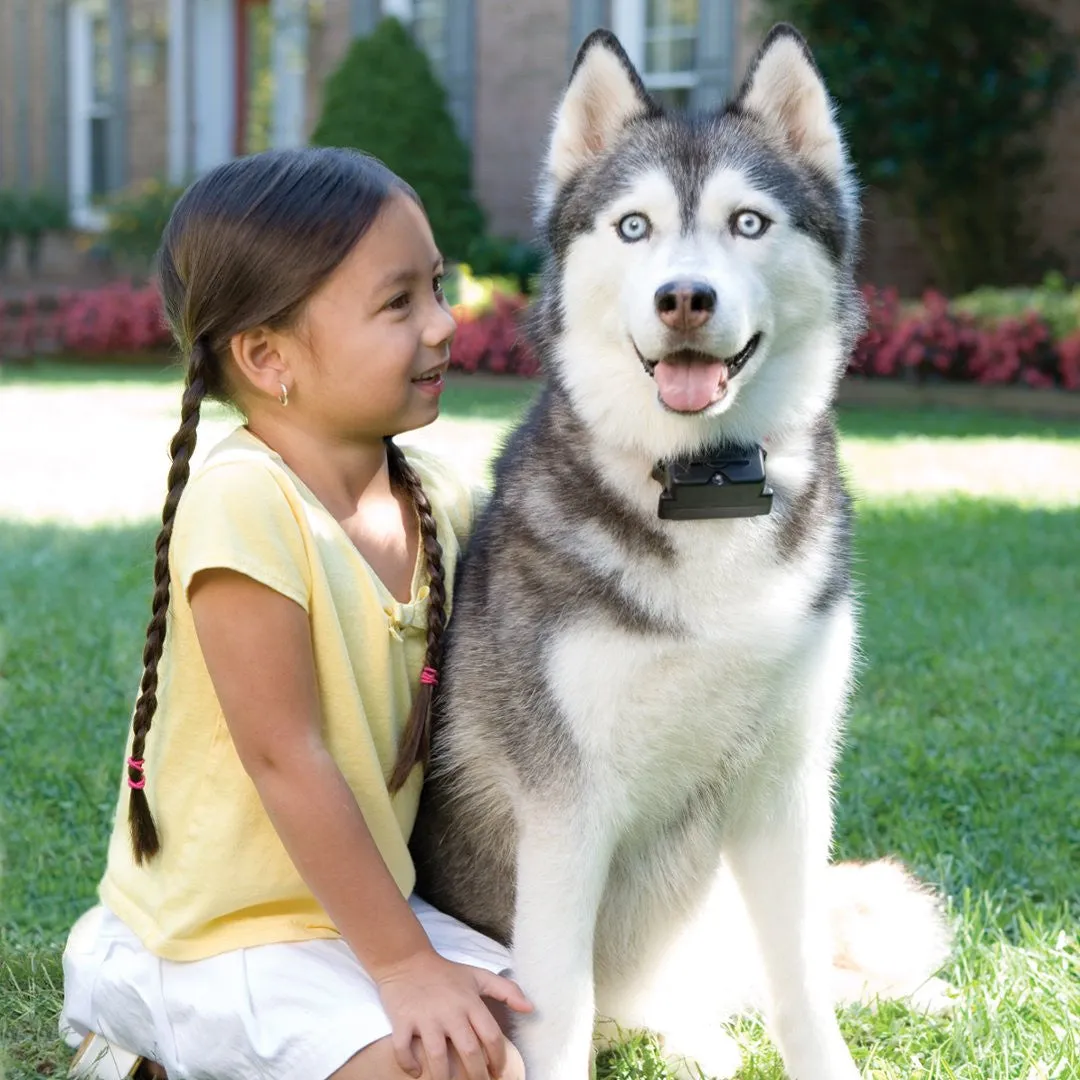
x=689 y=381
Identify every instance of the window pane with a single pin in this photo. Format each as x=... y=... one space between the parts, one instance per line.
x=99 y=158
x=662 y=14
x=100 y=60
x=683 y=13
x=671 y=36
x=677 y=98
x=683 y=54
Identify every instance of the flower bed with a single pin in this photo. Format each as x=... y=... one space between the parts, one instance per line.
x=493 y=340
x=934 y=341
x=111 y=321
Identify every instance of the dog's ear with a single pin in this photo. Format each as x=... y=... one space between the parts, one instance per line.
x=605 y=93
x=784 y=87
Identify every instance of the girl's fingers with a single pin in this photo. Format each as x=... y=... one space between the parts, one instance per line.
x=401 y=1040
x=470 y=1052
x=502 y=989
x=435 y=1050
x=491 y=1038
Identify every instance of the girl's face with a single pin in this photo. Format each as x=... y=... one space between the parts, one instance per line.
x=371 y=350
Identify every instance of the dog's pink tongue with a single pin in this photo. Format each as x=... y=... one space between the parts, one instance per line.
x=690 y=385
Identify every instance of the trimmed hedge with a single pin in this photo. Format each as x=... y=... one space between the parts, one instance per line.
x=385 y=99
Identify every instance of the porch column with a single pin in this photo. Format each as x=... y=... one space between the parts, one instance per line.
x=628 y=25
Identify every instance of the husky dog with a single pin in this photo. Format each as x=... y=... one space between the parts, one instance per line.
x=640 y=709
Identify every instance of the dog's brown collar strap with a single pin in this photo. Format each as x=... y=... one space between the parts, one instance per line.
x=722 y=482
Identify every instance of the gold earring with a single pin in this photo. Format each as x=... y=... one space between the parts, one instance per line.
x=283 y=397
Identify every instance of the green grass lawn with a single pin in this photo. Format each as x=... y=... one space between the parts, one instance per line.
x=963 y=756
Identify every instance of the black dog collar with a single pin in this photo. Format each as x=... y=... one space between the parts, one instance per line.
x=724 y=482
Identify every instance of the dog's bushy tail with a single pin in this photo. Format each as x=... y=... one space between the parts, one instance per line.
x=890 y=935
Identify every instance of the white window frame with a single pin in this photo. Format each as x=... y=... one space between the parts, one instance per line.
x=82 y=110
x=628 y=24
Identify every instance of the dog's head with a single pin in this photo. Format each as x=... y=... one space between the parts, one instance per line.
x=700 y=282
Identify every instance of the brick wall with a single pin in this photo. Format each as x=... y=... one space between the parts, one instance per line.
x=522 y=63
x=38 y=100
x=148 y=96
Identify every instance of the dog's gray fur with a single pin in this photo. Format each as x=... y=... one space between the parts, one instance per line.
x=626 y=700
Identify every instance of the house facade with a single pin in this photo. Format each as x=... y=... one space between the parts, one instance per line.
x=97 y=95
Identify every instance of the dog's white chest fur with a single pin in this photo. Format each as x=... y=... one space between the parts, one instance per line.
x=672 y=709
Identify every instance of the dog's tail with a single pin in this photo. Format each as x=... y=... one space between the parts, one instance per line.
x=890 y=936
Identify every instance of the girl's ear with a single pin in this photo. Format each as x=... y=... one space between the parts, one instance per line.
x=260 y=359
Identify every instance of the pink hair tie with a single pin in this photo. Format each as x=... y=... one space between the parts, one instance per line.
x=429 y=677
x=136 y=764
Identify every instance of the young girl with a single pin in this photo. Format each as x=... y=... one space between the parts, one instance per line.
x=255 y=918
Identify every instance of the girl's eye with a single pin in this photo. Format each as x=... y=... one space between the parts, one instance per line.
x=399 y=303
x=634 y=227
x=749 y=223
x=438 y=284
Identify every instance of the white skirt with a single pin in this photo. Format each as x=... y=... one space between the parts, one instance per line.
x=294 y=1011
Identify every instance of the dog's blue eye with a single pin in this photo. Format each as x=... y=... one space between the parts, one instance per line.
x=749 y=223
x=633 y=227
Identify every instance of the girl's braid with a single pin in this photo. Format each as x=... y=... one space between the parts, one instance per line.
x=416 y=744
x=144 y=835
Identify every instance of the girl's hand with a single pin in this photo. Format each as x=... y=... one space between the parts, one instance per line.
x=436 y=1001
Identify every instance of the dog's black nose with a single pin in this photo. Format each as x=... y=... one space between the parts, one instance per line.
x=685 y=305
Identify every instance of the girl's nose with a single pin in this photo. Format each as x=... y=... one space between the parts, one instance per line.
x=440 y=331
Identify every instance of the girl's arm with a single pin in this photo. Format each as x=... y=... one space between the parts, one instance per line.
x=257 y=647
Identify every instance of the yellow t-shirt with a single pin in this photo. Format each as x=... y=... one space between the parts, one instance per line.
x=223 y=879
